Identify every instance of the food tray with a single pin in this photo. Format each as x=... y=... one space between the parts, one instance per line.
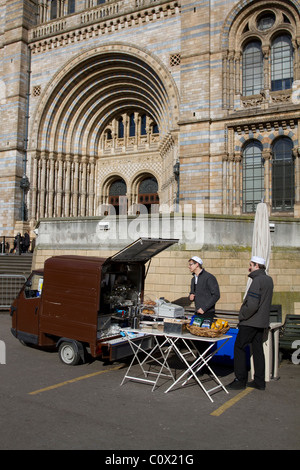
x=208 y=332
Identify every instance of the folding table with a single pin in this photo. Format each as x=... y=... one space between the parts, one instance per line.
x=170 y=342
x=161 y=360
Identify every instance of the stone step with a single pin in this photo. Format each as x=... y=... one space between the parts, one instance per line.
x=16 y=264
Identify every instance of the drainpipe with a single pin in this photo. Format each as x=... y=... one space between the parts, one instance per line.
x=24 y=183
x=176 y=171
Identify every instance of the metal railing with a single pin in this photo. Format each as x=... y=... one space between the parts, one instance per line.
x=15 y=245
x=6 y=245
x=10 y=286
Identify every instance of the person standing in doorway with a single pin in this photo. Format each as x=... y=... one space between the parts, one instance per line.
x=254 y=318
x=204 y=291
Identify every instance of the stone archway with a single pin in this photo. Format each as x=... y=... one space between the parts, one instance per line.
x=74 y=112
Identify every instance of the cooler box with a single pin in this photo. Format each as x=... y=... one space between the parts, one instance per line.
x=225 y=355
x=170 y=310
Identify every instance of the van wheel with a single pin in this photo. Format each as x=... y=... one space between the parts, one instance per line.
x=69 y=354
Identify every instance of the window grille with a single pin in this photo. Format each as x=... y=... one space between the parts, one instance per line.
x=281 y=63
x=252 y=69
x=175 y=59
x=283 y=169
x=37 y=90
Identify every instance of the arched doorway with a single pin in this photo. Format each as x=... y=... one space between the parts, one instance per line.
x=117 y=196
x=148 y=194
x=77 y=155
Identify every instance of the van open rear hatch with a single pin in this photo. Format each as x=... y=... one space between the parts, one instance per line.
x=122 y=291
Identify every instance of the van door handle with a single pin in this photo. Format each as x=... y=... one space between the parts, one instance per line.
x=36 y=310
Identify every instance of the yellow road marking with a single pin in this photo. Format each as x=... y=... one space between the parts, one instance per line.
x=61 y=384
x=231 y=402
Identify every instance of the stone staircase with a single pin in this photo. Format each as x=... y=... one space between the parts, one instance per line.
x=14 y=270
x=16 y=264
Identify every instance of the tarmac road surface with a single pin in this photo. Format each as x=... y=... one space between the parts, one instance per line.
x=50 y=406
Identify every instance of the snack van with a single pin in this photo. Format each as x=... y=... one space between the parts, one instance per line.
x=79 y=304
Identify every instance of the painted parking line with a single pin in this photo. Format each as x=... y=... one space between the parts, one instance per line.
x=231 y=402
x=77 y=379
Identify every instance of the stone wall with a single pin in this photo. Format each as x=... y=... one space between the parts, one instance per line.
x=225 y=250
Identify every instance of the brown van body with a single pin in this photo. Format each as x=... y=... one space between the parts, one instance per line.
x=73 y=298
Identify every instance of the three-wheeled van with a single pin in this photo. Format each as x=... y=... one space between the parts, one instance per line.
x=79 y=304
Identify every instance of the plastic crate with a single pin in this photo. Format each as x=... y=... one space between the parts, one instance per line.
x=226 y=354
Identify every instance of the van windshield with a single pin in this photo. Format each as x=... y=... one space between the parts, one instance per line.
x=34 y=286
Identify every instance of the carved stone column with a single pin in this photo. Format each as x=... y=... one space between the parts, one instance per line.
x=231 y=78
x=230 y=187
x=34 y=187
x=43 y=11
x=266 y=68
x=83 y=186
x=61 y=7
x=296 y=154
x=296 y=45
x=149 y=133
x=91 y=195
x=43 y=169
x=67 y=186
x=237 y=159
x=51 y=184
x=75 y=194
x=125 y=130
x=225 y=79
x=47 y=11
x=59 y=198
x=237 y=73
x=137 y=129
x=224 y=183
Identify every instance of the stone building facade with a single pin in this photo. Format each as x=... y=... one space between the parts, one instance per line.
x=148 y=102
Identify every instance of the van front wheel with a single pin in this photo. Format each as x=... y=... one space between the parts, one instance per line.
x=69 y=354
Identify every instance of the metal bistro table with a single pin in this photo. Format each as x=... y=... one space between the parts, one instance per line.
x=160 y=351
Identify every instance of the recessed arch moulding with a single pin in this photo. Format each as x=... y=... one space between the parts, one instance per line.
x=69 y=163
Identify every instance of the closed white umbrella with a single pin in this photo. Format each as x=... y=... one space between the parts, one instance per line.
x=261 y=239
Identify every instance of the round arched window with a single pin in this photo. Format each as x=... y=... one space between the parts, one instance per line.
x=283 y=175
x=266 y=20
